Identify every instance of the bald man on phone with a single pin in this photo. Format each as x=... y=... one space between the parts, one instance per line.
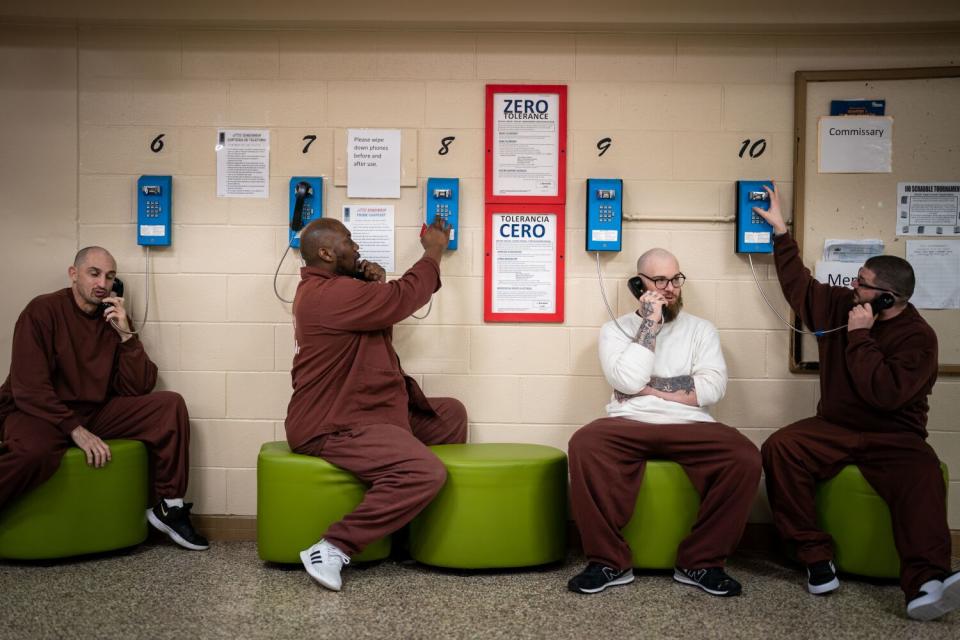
x=80 y=375
x=352 y=403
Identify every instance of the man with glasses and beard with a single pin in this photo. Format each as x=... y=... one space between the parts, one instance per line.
x=665 y=367
x=874 y=381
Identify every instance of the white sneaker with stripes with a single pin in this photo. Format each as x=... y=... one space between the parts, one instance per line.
x=323 y=561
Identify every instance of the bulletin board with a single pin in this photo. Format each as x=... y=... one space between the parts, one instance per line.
x=923 y=103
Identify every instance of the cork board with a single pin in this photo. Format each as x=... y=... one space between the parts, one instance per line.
x=923 y=103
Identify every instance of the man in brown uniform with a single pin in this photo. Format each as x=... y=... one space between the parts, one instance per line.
x=78 y=373
x=875 y=377
x=352 y=404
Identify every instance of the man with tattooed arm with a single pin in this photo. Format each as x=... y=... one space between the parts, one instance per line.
x=665 y=367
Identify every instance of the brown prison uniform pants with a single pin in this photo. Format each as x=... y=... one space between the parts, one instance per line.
x=35 y=447
x=404 y=475
x=901 y=467
x=607 y=459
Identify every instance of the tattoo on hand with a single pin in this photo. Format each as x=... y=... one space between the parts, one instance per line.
x=647 y=334
x=646 y=308
x=669 y=385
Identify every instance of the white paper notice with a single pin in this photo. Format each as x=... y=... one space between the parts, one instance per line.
x=836 y=274
x=373 y=163
x=243 y=163
x=928 y=209
x=856 y=144
x=936 y=264
x=526 y=144
x=851 y=250
x=524 y=263
x=371 y=227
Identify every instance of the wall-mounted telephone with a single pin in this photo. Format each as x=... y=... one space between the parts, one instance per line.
x=153 y=210
x=306 y=204
x=443 y=199
x=604 y=214
x=754 y=235
x=115 y=292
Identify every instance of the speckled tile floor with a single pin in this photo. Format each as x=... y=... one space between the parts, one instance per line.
x=159 y=591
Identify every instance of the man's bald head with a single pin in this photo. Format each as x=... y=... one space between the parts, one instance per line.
x=657 y=256
x=92 y=252
x=322 y=233
x=326 y=244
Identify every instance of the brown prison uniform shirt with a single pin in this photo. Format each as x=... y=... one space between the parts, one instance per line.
x=65 y=362
x=345 y=371
x=876 y=380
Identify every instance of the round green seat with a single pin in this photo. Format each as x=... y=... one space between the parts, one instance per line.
x=298 y=498
x=667 y=506
x=503 y=505
x=80 y=509
x=859 y=522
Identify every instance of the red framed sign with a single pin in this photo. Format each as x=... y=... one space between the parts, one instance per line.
x=526 y=143
x=523 y=264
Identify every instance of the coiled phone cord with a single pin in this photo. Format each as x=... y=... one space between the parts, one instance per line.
x=146 y=304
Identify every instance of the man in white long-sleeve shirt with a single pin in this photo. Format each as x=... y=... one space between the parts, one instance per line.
x=665 y=367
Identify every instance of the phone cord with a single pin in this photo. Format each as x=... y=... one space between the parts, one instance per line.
x=423 y=317
x=772 y=308
x=276 y=274
x=146 y=304
x=603 y=294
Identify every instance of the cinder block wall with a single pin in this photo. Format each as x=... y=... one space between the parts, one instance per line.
x=677 y=109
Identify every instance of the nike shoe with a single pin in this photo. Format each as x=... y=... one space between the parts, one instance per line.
x=175 y=522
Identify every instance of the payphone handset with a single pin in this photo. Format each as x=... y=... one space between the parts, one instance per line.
x=754 y=234
x=306 y=205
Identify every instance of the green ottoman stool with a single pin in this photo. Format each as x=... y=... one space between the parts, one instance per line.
x=298 y=498
x=859 y=521
x=81 y=509
x=667 y=507
x=503 y=505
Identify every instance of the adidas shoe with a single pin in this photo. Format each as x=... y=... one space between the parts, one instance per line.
x=324 y=561
x=597 y=577
x=822 y=578
x=175 y=522
x=713 y=580
x=936 y=598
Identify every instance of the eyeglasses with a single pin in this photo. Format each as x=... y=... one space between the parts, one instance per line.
x=661 y=282
x=857 y=281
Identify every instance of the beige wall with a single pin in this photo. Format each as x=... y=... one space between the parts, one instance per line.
x=676 y=106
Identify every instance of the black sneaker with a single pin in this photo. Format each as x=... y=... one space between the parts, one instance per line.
x=597 y=577
x=822 y=578
x=175 y=522
x=714 y=580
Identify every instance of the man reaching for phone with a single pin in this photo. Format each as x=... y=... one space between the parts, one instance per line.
x=665 y=367
x=78 y=374
x=352 y=404
x=874 y=381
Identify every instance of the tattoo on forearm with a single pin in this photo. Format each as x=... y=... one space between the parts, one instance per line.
x=647 y=334
x=669 y=385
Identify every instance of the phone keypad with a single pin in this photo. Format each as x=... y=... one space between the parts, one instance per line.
x=605 y=212
x=153 y=209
